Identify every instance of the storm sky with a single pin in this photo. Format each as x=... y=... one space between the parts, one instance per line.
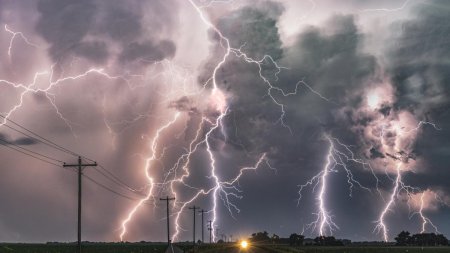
x=279 y=82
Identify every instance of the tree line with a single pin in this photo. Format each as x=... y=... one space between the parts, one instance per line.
x=404 y=238
x=423 y=239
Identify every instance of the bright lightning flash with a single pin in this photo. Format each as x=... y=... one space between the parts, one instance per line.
x=339 y=155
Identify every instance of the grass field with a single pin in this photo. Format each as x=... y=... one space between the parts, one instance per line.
x=87 y=248
x=226 y=248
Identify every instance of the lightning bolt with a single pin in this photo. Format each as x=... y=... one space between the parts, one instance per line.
x=45 y=82
x=47 y=91
x=403 y=6
x=147 y=168
x=401 y=187
x=425 y=220
x=339 y=155
x=266 y=59
x=14 y=35
x=381 y=224
x=221 y=189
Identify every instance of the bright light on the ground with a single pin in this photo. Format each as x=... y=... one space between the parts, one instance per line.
x=244 y=244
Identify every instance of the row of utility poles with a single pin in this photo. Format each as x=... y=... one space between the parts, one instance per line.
x=194 y=209
x=80 y=165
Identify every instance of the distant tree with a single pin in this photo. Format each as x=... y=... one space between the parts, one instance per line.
x=220 y=241
x=327 y=241
x=260 y=237
x=403 y=238
x=296 y=240
x=275 y=238
x=428 y=239
x=442 y=240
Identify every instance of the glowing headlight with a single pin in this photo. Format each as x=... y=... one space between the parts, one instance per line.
x=244 y=244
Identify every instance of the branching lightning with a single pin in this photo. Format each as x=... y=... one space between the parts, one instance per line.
x=339 y=155
x=45 y=82
x=381 y=224
x=14 y=35
x=400 y=187
x=211 y=126
x=148 y=166
x=425 y=220
x=403 y=6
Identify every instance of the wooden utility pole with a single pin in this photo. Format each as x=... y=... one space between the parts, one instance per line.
x=80 y=166
x=203 y=226
x=194 y=208
x=167 y=199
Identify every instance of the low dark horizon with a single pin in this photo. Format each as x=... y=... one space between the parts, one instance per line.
x=309 y=117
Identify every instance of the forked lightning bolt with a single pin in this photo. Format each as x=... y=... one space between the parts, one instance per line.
x=148 y=166
x=425 y=220
x=226 y=44
x=222 y=189
x=381 y=223
x=339 y=156
x=400 y=187
x=14 y=35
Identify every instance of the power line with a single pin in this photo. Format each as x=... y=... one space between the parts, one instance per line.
x=11 y=147
x=43 y=139
x=118 y=184
x=36 y=139
x=109 y=189
x=115 y=179
x=33 y=152
x=54 y=145
x=39 y=138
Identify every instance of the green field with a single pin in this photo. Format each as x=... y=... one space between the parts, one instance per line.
x=224 y=248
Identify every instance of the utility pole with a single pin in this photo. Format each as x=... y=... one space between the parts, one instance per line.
x=167 y=199
x=80 y=166
x=210 y=231
x=203 y=226
x=194 y=208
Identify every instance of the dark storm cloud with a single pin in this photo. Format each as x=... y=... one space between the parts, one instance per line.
x=329 y=59
x=115 y=123
x=96 y=51
x=98 y=32
x=22 y=141
x=1 y=8
x=419 y=66
x=70 y=27
x=121 y=24
x=148 y=51
x=419 y=62
x=245 y=28
x=184 y=104
x=65 y=23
